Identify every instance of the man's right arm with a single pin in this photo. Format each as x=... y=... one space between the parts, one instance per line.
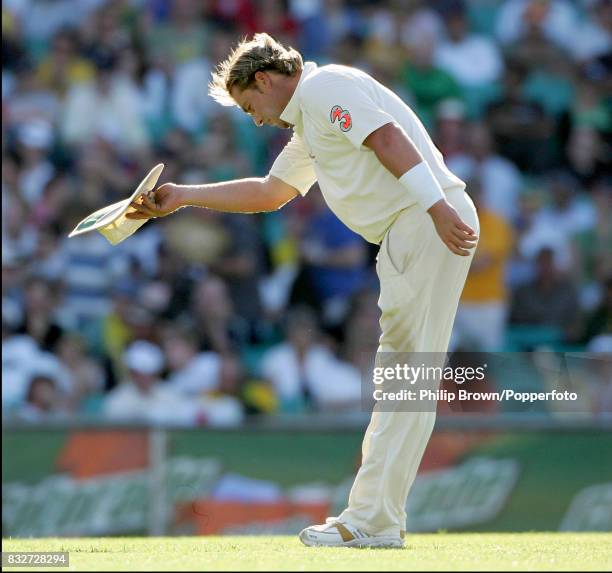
x=252 y=195
x=291 y=174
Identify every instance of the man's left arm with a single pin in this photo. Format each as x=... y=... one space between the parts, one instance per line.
x=398 y=154
x=350 y=112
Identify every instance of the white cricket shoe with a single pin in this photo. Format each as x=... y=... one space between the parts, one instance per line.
x=340 y=534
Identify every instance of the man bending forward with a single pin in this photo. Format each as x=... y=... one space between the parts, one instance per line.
x=381 y=174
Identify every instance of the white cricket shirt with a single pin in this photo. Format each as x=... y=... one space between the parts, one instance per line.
x=333 y=109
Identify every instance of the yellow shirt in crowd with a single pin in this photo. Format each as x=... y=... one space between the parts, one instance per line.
x=496 y=238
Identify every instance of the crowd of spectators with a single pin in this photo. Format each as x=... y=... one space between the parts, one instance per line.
x=205 y=317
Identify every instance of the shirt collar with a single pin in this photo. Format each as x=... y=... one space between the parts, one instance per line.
x=291 y=114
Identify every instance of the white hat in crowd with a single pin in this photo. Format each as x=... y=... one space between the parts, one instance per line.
x=144 y=357
x=36 y=133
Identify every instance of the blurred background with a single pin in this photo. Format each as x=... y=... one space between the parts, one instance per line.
x=204 y=376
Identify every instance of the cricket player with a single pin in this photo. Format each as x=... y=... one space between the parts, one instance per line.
x=381 y=174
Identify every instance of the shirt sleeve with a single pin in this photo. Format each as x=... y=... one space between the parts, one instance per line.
x=343 y=104
x=294 y=166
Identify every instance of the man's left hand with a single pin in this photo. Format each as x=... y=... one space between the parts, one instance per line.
x=455 y=234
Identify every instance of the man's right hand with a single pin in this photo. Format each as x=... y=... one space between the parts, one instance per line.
x=166 y=199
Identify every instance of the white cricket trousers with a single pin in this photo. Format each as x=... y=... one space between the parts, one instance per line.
x=420 y=284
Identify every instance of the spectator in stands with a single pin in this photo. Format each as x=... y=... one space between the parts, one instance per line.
x=64 y=66
x=19 y=236
x=109 y=108
x=593 y=37
x=28 y=100
x=482 y=314
x=18 y=354
x=41 y=20
x=600 y=381
x=178 y=276
x=451 y=128
x=271 y=15
x=420 y=23
x=382 y=49
x=143 y=395
x=305 y=374
x=22 y=362
x=498 y=177
x=350 y=51
x=34 y=139
x=361 y=330
x=88 y=378
x=210 y=380
x=588 y=125
x=240 y=264
x=555 y=20
x=549 y=300
x=10 y=174
x=13 y=50
x=181 y=37
x=104 y=29
x=45 y=213
x=570 y=211
x=92 y=267
x=191 y=105
x=190 y=372
x=100 y=175
x=41 y=300
x=474 y=61
x=550 y=81
x=12 y=282
x=594 y=264
x=428 y=83
x=408 y=23
x=334 y=258
x=218 y=152
x=47 y=260
x=598 y=324
x=536 y=233
x=586 y=152
x=218 y=326
x=520 y=127
x=43 y=399
x=119 y=324
x=322 y=25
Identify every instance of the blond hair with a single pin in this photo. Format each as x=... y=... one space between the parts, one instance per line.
x=261 y=53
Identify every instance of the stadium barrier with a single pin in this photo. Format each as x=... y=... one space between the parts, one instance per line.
x=507 y=472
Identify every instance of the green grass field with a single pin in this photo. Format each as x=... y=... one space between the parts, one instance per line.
x=426 y=552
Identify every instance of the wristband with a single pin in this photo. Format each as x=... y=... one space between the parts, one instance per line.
x=422 y=184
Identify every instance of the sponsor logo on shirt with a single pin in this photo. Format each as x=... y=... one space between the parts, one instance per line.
x=343 y=117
